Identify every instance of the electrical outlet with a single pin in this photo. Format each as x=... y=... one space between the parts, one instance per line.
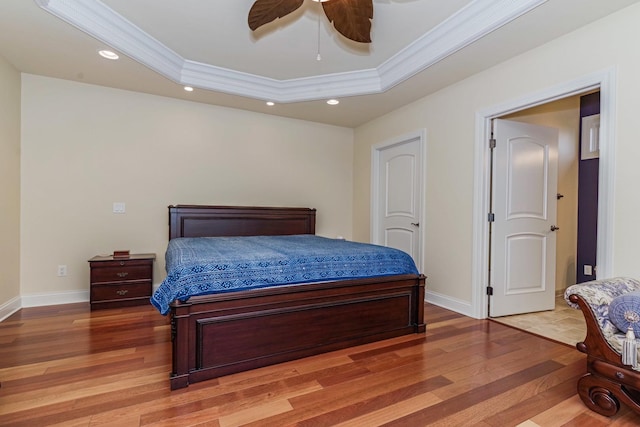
x=588 y=270
x=62 y=270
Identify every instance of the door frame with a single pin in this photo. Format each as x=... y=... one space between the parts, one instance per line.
x=376 y=150
x=605 y=81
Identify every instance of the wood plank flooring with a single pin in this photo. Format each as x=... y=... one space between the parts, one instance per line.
x=65 y=365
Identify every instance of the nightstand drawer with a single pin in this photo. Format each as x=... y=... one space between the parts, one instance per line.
x=120 y=273
x=120 y=291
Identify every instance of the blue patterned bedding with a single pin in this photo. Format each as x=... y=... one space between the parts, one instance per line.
x=208 y=265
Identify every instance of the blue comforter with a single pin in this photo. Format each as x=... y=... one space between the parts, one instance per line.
x=207 y=265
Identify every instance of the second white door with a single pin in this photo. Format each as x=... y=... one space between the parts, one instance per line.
x=397 y=212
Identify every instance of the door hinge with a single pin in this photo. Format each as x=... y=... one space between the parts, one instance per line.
x=492 y=143
x=491 y=217
x=490 y=290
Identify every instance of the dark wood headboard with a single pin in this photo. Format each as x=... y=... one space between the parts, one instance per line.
x=214 y=221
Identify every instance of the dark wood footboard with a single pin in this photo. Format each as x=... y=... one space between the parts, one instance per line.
x=222 y=334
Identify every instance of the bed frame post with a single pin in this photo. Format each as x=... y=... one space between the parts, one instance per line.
x=180 y=343
x=419 y=305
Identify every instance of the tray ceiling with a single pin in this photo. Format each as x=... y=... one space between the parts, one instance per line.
x=418 y=46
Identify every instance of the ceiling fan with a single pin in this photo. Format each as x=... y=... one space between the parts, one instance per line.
x=351 y=18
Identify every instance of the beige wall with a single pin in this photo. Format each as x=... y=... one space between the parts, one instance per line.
x=563 y=115
x=449 y=118
x=9 y=184
x=85 y=147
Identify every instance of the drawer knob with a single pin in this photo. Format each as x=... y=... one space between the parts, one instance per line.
x=122 y=292
x=619 y=375
x=122 y=274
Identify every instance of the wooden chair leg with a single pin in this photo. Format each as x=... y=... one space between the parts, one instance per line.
x=599 y=394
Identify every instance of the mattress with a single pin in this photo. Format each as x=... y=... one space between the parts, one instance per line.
x=209 y=265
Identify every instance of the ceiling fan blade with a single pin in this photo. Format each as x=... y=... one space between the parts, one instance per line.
x=351 y=18
x=264 y=11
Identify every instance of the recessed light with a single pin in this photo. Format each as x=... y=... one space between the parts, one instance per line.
x=333 y=102
x=271 y=103
x=188 y=88
x=108 y=54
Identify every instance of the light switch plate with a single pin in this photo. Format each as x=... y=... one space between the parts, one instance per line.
x=118 y=207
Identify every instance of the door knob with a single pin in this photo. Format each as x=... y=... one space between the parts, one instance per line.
x=554 y=228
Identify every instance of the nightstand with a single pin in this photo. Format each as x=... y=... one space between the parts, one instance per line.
x=121 y=282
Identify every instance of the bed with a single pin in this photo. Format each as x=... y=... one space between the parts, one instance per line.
x=216 y=334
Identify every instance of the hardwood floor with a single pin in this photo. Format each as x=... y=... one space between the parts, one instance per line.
x=64 y=365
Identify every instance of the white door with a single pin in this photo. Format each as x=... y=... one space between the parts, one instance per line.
x=397 y=202
x=525 y=181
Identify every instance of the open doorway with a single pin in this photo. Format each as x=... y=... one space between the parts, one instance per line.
x=564 y=115
x=605 y=82
x=575 y=204
x=575 y=207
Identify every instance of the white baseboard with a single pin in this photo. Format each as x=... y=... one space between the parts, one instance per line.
x=54 y=298
x=10 y=307
x=43 y=299
x=453 y=304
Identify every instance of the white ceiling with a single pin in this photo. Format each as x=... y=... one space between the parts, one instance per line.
x=418 y=47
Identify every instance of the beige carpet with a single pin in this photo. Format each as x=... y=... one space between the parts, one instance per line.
x=563 y=324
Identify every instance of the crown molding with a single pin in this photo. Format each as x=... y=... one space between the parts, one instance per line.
x=477 y=19
x=293 y=90
x=471 y=23
x=104 y=24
